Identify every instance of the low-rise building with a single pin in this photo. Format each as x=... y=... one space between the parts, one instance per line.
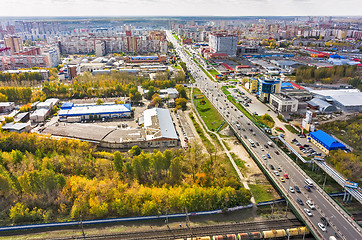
x=160 y=129
x=90 y=112
x=17 y=127
x=40 y=115
x=7 y=106
x=22 y=117
x=322 y=106
x=48 y=104
x=283 y=103
x=325 y=142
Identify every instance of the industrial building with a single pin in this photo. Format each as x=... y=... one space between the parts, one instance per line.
x=40 y=115
x=348 y=100
x=48 y=104
x=283 y=103
x=322 y=106
x=158 y=131
x=325 y=142
x=17 y=127
x=76 y=113
x=6 y=106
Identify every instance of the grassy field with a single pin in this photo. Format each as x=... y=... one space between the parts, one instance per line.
x=261 y=193
x=199 y=130
x=207 y=112
x=267 y=120
x=213 y=72
x=240 y=163
x=290 y=128
x=225 y=90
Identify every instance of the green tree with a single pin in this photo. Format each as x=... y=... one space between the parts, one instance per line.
x=118 y=161
x=99 y=101
x=135 y=151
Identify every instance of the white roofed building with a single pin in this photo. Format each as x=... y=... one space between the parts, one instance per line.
x=349 y=100
x=160 y=129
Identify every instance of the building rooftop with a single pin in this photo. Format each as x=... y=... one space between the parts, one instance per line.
x=346 y=97
x=6 y=104
x=159 y=124
x=326 y=140
x=15 y=126
x=94 y=109
x=323 y=105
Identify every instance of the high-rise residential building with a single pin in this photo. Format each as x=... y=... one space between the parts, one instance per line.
x=14 y=43
x=223 y=43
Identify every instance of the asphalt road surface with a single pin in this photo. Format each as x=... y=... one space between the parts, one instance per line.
x=339 y=221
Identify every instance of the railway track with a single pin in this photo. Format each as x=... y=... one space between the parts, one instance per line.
x=209 y=230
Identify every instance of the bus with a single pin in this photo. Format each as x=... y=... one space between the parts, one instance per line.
x=251 y=142
x=309 y=182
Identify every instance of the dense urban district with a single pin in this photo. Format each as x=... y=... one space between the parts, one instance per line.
x=107 y=118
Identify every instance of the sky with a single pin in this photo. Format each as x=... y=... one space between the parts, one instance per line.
x=181 y=7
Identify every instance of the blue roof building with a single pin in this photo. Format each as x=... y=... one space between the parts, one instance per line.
x=287 y=85
x=325 y=142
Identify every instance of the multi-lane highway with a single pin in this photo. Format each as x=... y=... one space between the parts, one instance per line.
x=339 y=222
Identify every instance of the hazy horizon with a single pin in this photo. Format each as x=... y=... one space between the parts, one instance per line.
x=166 y=8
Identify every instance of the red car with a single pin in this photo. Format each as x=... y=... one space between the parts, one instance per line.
x=286 y=176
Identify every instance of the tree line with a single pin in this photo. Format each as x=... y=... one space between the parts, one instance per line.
x=42 y=179
x=308 y=74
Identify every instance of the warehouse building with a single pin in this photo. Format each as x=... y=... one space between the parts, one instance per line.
x=40 y=115
x=76 y=113
x=325 y=142
x=17 y=127
x=160 y=130
x=349 y=100
x=6 y=106
x=322 y=106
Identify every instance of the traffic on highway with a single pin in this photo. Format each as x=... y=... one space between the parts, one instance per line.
x=318 y=210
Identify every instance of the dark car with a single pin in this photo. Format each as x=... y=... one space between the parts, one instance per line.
x=271 y=167
x=276 y=152
x=325 y=222
x=266 y=146
x=300 y=201
x=307 y=188
x=297 y=189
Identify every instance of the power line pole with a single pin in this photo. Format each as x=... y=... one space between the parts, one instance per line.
x=188 y=222
x=81 y=224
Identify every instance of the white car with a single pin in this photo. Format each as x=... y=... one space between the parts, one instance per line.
x=322 y=227
x=291 y=189
x=263 y=156
x=276 y=173
x=308 y=212
x=310 y=204
x=261 y=148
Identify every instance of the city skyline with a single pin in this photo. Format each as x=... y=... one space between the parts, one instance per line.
x=187 y=8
